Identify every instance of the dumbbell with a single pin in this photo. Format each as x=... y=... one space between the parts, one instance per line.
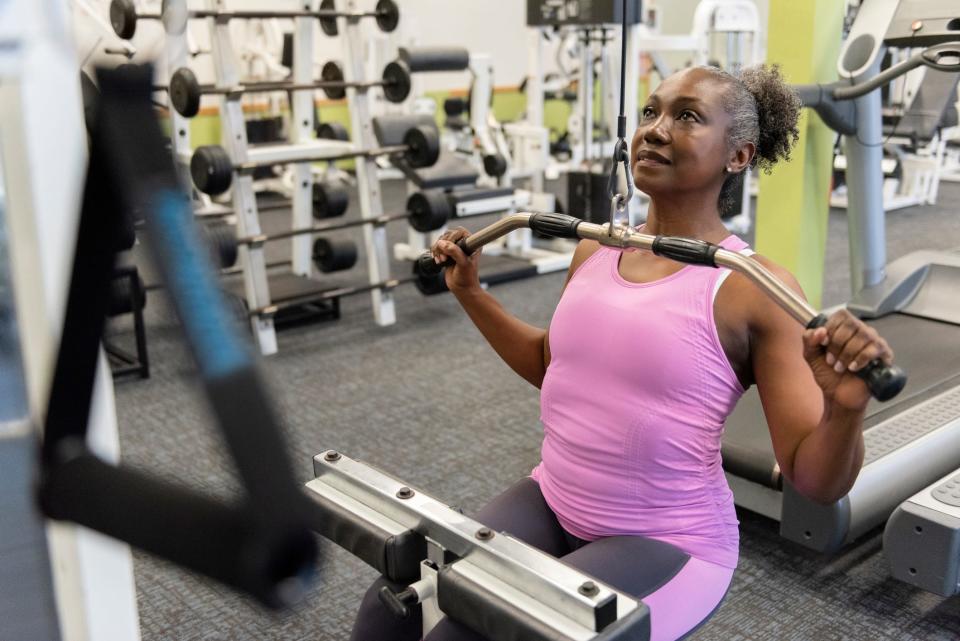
x=174 y=14
x=185 y=90
x=328 y=255
x=387 y=15
x=212 y=170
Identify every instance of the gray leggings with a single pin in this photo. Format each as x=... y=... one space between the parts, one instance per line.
x=522 y=512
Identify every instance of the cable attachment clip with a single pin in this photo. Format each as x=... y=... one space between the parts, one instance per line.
x=619 y=203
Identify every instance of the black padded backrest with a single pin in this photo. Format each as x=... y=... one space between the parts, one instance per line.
x=435 y=58
x=390 y=130
x=452 y=170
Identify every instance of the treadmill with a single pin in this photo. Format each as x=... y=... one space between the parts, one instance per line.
x=922 y=538
x=914 y=303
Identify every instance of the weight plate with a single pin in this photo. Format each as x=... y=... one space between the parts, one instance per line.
x=330 y=199
x=332 y=131
x=429 y=284
x=428 y=210
x=388 y=15
x=334 y=255
x=222 y=241
x=328 y=23
x=423 y=146
x=211 y=169
x=494 y=165
x=185 y=92
x=123 y=298
x=332 y=72
x=123 y=18
x=396 y=81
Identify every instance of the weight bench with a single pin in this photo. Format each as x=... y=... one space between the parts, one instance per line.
x=490 y=581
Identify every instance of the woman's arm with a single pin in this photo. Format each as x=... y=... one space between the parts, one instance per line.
x=521 y=346
x=813 y=401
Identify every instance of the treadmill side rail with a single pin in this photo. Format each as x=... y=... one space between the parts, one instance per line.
x=922 y=547
x=820 y=527
x=908 y=451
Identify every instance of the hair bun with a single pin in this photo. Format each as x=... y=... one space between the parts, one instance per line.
x=778 y=110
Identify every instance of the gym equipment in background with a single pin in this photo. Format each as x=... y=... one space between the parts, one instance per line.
x=174 y=15
x=921 y=540
x=911 y=302
x=212 y=170
x=236 y=163
x=186 y=90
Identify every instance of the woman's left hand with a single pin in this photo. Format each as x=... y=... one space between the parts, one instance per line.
x=836 y=351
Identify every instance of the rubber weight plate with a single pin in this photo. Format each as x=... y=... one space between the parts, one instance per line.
x=428 y=210
x=122 y=297
x=396 y=81
x=211 y=169
x=423 y=146
x=429 y=284
x=388 y=15
x=333 y=72
x=495 y=165
x=185 y=92
x=330 y=199
x=328 y=23
x=334 y=255
x=222 y=241
x=123 y=18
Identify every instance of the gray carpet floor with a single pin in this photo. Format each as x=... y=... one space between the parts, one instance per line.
x=427 y=401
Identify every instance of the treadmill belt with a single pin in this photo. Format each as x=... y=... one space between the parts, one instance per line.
x=929 y=351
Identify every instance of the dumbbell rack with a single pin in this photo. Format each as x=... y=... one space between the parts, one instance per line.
x=178 y=53
x=252 y=258
x=368 y=183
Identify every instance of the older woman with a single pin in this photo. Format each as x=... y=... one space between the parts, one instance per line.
x=645 y=359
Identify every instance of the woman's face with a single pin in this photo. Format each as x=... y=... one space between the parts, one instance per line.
x=681 y=142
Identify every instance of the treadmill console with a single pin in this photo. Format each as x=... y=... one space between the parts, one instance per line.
x=562 y=13
x=923 y=23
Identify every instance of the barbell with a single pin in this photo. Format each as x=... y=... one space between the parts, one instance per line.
x=186 y=90
x=174 y=15
x=328 y=256
x=212 y=170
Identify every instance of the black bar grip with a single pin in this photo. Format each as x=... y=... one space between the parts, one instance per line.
x=555 y=225
x=224 y=542
x=685 y=250
x=435 y=58
x=883 y=381
x=426 y=266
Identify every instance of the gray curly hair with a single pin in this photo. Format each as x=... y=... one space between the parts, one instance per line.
x=764 y=110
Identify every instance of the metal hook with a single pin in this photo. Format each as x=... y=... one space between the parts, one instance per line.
x=620 y=204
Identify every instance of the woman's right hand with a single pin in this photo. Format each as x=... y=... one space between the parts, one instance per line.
x=463 y=274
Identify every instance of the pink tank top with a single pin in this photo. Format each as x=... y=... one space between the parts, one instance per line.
x=633 y=406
